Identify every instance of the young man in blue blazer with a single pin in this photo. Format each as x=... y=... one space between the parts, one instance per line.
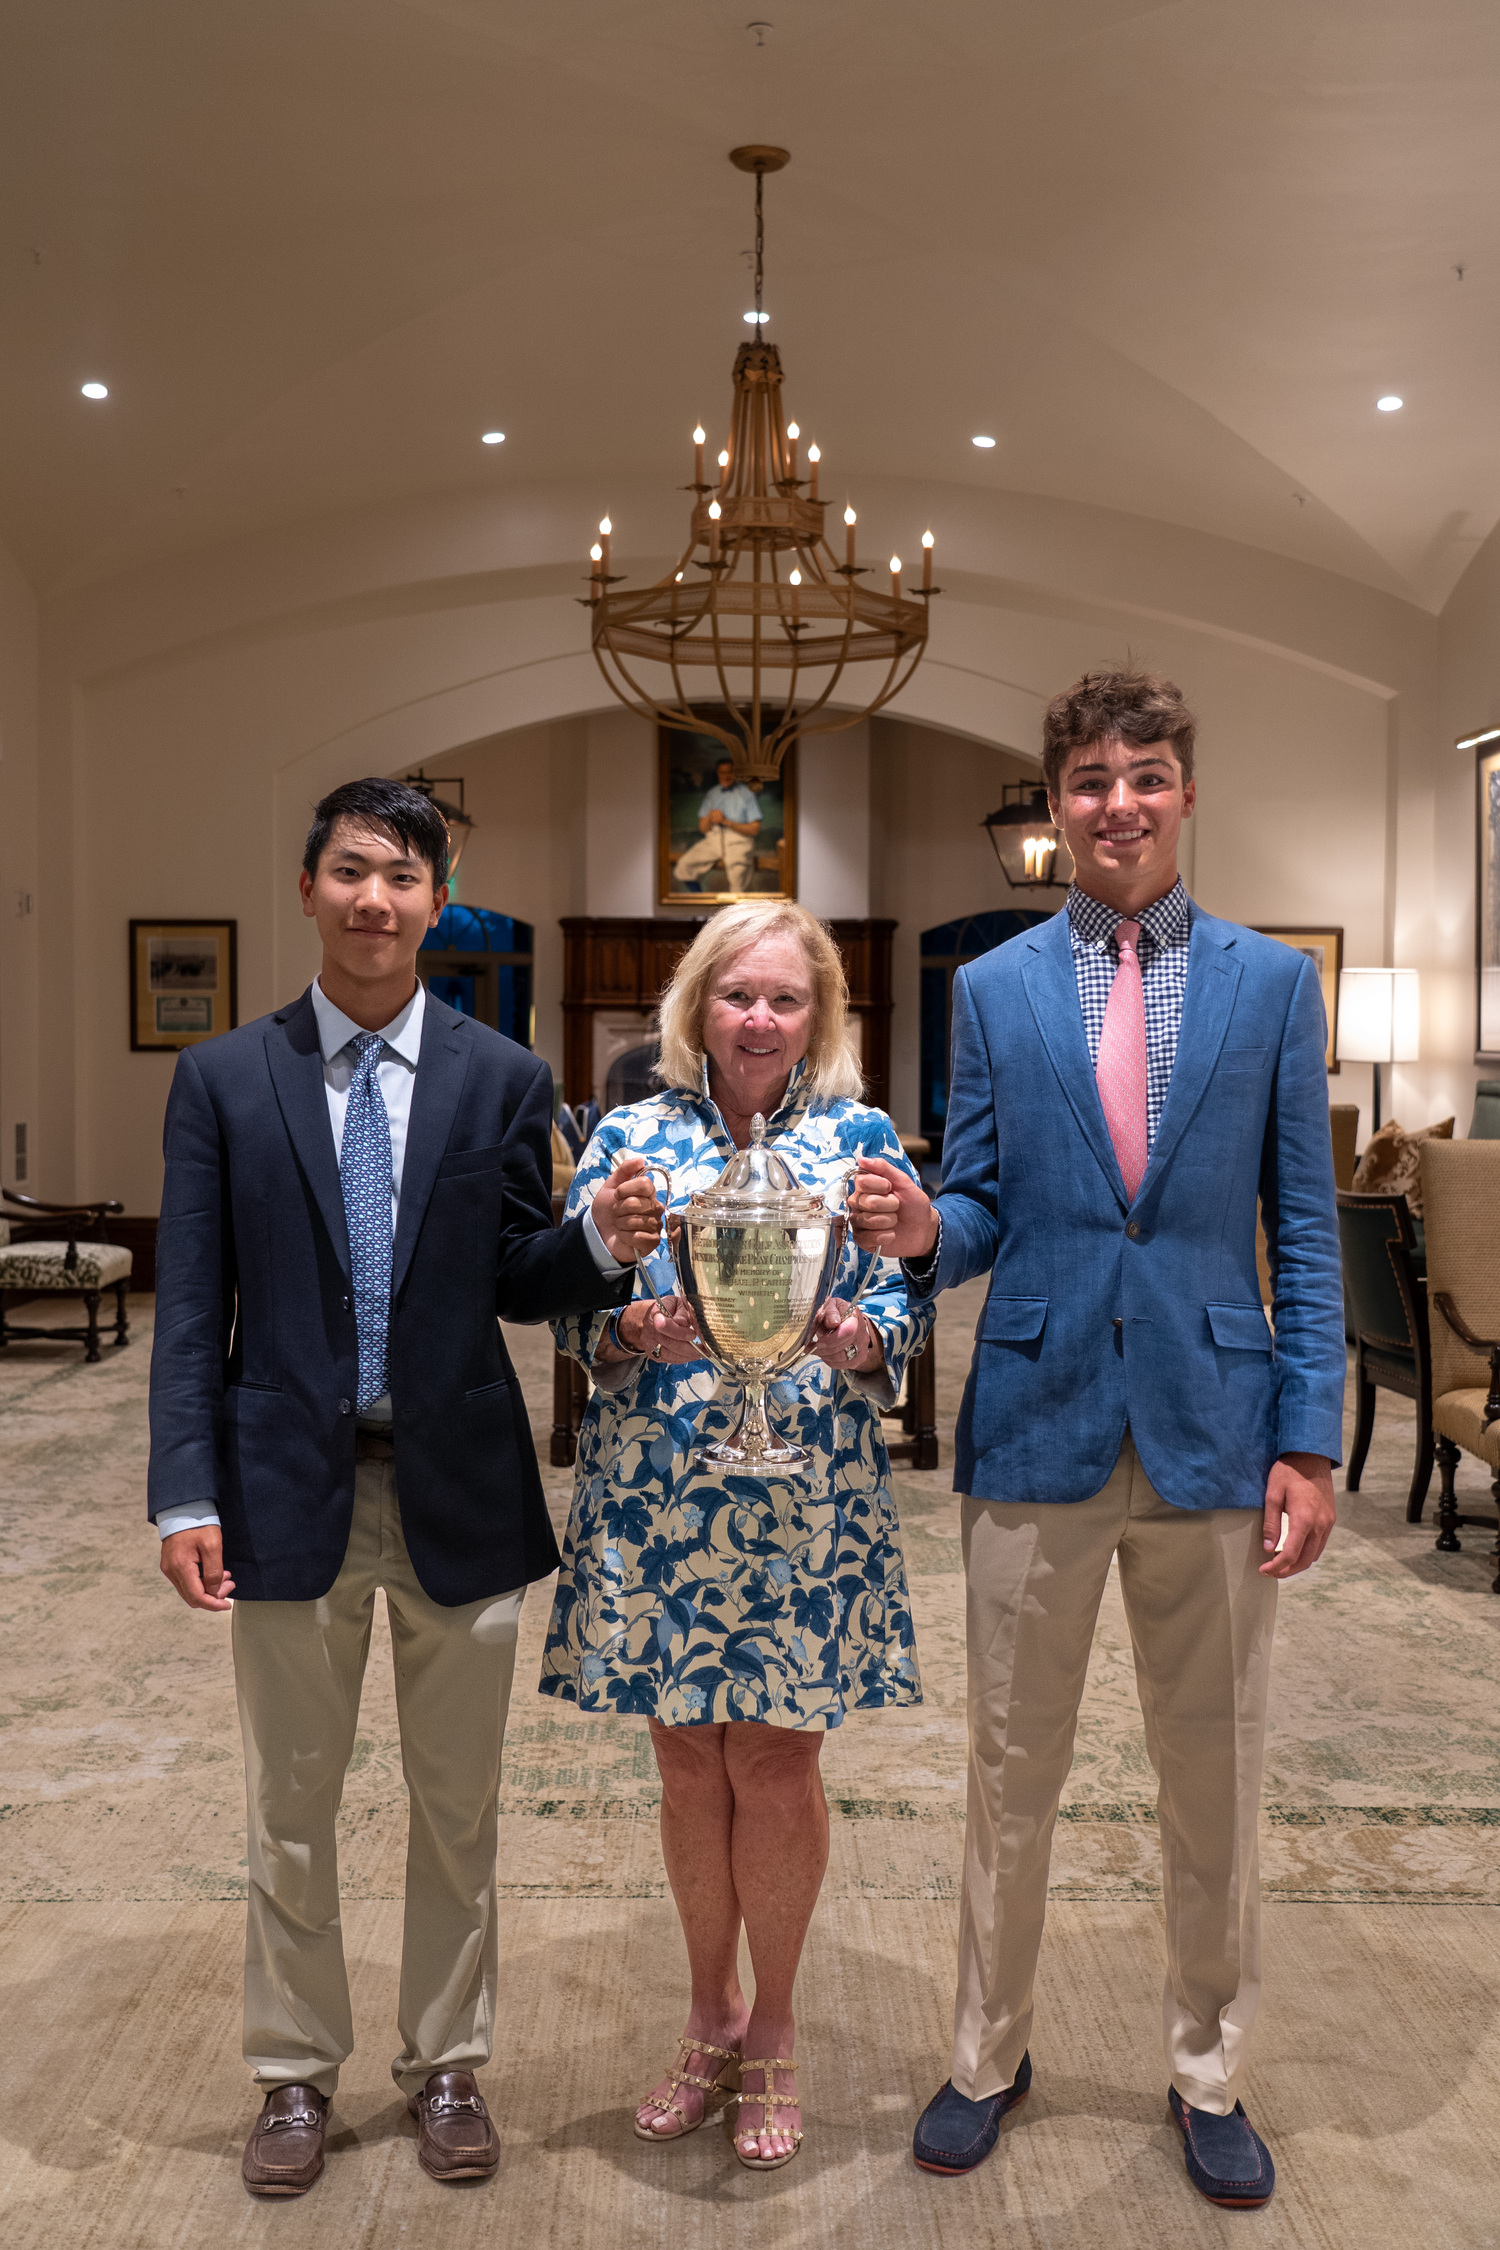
x=358 y=1188
x=1129 y=1080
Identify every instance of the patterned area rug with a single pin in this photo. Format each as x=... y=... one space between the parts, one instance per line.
x=120 y=1776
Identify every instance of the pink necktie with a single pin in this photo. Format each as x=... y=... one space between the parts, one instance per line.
x=1122 y=1061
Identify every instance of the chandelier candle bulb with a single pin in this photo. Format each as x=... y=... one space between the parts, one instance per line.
x=699 y=440
x=927 y=562
x=895 y=578
x=596 y=556
x=793 y=433
x=814 y=456
x=850 y=519
x=605 y=528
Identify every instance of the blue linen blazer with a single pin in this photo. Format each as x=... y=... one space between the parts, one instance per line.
x=1104 y=1312
x=255 y=1362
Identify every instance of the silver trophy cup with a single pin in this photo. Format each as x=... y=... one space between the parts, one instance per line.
x=755 y=1256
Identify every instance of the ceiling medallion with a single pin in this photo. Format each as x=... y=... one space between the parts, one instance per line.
x=759 y=618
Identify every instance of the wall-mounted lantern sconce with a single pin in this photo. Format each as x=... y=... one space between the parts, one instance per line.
x=460 y=823
x=1027 y=843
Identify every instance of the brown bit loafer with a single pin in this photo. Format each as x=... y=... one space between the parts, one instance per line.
x=455 y=2140
x=284 y=2154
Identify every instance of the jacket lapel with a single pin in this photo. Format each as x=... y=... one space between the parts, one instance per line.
x=296 y=1062
x=1052 y=991
x=442 y=1065
x=1213 y=979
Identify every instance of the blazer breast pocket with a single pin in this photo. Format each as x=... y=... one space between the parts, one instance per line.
x=1236 y=1059
x=464 y=1161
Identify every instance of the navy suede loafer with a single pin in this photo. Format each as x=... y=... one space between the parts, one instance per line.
x=1226 y=2158
x=954 y=2134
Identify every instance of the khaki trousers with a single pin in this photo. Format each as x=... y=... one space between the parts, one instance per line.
x=298 y=1667
x=719 y=848
x=1201 y=1622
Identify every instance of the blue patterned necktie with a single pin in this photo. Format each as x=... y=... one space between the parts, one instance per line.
x=365 y=1174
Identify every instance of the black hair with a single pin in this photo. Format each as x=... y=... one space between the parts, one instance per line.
x=411 y=818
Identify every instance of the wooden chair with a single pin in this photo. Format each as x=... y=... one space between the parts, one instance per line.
x=916 y=1411
x=1386 y=1307
x=1461 y=1205
x=40 y=1265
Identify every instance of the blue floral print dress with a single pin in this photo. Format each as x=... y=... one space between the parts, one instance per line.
x=694 y=1594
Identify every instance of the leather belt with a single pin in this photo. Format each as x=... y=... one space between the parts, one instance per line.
x=374 y=1445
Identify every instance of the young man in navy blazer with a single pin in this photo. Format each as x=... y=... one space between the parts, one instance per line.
x=358 y=1188
x=1129 y=1080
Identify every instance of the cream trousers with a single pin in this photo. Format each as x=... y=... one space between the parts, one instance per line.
x=298 y=1667
x=1201 y=1622
x=721 y=847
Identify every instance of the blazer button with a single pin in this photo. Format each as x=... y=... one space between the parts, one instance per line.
x=345 y=1407
x=1117 y=1322
x=348 y=1301
x=1132 y=1230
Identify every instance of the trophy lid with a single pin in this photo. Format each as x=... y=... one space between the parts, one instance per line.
x=757 y=1176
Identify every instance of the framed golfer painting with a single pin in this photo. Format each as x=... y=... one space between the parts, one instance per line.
x=183 y=984
x=721 y=835
x=1325 y=950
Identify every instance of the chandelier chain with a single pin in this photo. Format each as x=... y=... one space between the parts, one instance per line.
x=760 y=245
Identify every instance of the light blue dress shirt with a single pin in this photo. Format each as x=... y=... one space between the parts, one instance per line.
x=737 y=803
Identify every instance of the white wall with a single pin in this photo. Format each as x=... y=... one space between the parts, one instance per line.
x=196 y=712
x=1436 y=825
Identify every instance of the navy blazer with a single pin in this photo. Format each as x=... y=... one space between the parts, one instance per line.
x=255 y=1364
x=1102 y=1311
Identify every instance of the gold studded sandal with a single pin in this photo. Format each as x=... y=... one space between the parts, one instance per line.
x=722 y=2083
x=768 y=2101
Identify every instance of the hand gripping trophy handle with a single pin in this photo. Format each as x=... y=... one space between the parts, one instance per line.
x=664 y=1171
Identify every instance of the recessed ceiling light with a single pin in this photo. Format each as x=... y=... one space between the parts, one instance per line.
x=1390 y=404
x=493 y=437
x=757 y=319
x=986 y=442
x=95 y=390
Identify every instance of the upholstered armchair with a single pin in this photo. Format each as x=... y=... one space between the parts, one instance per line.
x=1461 y=1202
x=1386 y=1307
x=61 y=1261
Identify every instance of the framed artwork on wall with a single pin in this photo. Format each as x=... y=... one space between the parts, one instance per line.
x=1325 y=950
x=184 y=984
x=719 y=835
x=1487 y=897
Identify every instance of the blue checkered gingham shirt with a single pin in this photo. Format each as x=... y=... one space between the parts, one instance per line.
x=1166 y=927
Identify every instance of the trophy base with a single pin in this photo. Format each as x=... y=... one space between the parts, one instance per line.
x=727 y=1455
x=752 y=1444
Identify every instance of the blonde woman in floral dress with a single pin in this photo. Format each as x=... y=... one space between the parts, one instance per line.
x=740 y=1615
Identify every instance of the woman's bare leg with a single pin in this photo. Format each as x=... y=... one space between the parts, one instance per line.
x=697 y=1820
x=779 y=1850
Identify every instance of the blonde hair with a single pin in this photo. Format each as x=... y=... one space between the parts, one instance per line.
x=832 y=1062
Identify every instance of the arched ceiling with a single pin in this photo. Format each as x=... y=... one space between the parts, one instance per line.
x=1168 y=256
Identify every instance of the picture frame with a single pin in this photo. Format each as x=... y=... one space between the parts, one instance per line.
x=1487 y=897
x=1325 y=949
x=762 y=865
x=184 y=983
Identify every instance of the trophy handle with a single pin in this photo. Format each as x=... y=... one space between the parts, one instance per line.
x=843 y=1220
x=644 y=1271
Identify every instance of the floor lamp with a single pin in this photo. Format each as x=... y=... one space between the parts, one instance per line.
x=1379 y=1020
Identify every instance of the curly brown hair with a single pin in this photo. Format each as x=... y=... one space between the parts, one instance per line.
x=1123 y=704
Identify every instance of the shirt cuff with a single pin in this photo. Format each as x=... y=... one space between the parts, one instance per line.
x=188 y=1515
x=922 y=1272
x=595 y=1240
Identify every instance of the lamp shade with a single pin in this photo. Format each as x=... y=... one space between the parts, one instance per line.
x=1380 y=1013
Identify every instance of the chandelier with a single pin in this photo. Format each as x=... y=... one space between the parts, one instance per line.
x=759 y=611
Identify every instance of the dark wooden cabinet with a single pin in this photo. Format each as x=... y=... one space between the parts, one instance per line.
x=625 y=961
